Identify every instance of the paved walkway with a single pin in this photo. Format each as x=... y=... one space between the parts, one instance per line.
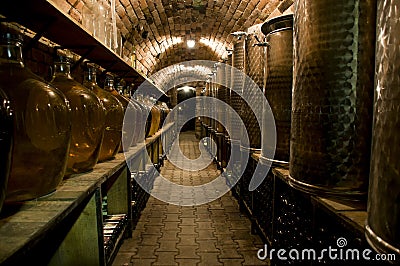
x=215 y=233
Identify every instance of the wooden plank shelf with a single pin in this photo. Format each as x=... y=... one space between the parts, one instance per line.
x=45 y=18
x=32 y=230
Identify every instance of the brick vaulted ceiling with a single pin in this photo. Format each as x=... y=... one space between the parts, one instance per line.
x=170 y=23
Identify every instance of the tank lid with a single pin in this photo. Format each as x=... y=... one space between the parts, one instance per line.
x=276 y=23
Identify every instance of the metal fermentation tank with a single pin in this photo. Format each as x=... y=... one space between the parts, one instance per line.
x=278 y=85
x=254 y=62
x=332 y=96
x=221 y=92
x=237 y=76
x=383 y=223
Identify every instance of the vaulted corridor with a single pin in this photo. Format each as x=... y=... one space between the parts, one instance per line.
x=216 y=233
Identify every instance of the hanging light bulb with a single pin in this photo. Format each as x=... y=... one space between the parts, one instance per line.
x=191 y=43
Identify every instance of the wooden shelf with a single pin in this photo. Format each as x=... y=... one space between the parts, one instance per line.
x=33 y=230
x=44 y=17
x=117 y=245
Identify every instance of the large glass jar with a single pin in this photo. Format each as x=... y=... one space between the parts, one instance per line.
x=140 y=120
x=42 y=126
x=155 y=122
x=147 y=114
x=136 y=115
x=87 y=115
x=129 y=126
x=114 y=116
x=88 y=15
x=142 y=125
x=100 y=21
x=6 y=141
x=153 y=118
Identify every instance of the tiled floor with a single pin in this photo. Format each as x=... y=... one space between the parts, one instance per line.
x=215 y=233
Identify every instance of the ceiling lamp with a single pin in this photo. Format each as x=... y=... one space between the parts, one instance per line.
x=191 y=44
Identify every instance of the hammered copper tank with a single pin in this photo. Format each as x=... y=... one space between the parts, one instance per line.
x=383 y=223
x=278 y=84
x=334 y=44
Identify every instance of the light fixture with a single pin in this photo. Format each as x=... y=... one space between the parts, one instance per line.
x=187 y=89
x=191 y=43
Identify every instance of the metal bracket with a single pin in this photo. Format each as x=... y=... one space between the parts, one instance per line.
x=39 y=34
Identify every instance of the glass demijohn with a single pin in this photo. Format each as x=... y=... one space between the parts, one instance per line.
x=6 y=141
x=87 y=115
x=42 y=127
x=114 y=116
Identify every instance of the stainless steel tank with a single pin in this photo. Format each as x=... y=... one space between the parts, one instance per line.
x=221 y=132
x=206 y=119
x=254 y=56
x=238 y=63
x=221 y=93
x=228 y=73
x=228 y=80
x=278 y=85
x=214 y=110
x=383 y=223
x=334 y=44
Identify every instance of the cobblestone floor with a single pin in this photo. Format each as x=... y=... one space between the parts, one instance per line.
x=216 y=233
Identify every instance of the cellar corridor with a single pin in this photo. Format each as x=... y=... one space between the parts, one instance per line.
x=216 y=233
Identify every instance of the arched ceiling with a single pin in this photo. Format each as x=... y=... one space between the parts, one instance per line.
x=185 y=72
x=156 y=31
x=180 y=53
x=170 y=23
